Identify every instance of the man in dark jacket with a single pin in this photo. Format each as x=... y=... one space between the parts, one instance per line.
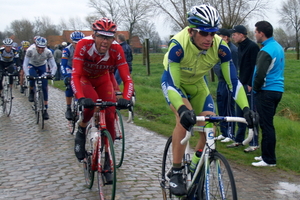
x=247 y=53
x=128 y=55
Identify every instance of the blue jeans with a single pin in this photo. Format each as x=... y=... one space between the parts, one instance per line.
x=266 y=103
x=240 y=134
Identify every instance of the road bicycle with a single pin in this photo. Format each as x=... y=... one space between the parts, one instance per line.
x=7 y=91
x=38 y=103
x=99 y=152
x=213 y=177
x=119 y=143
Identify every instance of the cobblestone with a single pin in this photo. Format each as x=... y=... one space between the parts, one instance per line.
x=40 y=163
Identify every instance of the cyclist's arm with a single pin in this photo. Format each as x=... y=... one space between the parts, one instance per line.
x=114 y=82
x=77 y=70
x=230 y=76
x=172 y=60
x=127 y=81
x=53 y=66
x=25 y=65
x=66 y=70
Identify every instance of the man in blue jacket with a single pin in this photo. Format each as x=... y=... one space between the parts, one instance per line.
x=268 y=86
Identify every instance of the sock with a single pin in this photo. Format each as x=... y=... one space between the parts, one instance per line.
x=177 y=165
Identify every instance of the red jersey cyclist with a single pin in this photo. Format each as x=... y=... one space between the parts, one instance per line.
x=95 y=57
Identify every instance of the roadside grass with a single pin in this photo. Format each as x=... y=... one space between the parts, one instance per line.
x=153 y=113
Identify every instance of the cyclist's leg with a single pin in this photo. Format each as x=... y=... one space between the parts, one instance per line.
x=79 y=147
x=32 y=72
x=21 y=77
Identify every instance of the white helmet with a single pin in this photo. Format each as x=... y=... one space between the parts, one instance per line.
x=64 y=44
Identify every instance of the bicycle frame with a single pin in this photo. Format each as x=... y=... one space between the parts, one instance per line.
x=209 y=146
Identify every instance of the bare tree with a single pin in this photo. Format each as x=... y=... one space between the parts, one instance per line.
x=232 y=12
x=44 y=27
x=22 y=29
x=107 y=8
x=283 y=39
x=290 y=15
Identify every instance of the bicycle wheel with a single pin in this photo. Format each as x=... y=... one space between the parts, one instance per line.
x=107 y=190
x=41 y=107
x=119 y=143
x=7 y=103
x=72 y=123
x=166 y=171
x=87 y=163
x=216 y=180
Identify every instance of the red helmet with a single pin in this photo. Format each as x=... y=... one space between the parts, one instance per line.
x=105 y=26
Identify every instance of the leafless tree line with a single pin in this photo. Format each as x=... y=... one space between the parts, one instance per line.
x=139 y=17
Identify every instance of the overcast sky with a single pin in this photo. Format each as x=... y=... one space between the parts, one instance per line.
x=64 y=9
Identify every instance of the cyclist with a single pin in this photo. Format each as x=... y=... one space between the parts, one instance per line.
x=22 y=52
x=94 y=62
x=34 y=64
x=191 y=54
x=8 y=57
x=66 y=69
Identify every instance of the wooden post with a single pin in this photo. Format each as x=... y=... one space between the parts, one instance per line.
x=147 y=56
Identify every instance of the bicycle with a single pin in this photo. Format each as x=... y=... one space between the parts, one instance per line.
x=7 y=91
x=213 y=177
x=38 y=103
x=98 y=142
x=75 y=116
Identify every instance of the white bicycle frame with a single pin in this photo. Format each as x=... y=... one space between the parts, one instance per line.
x=210 y=140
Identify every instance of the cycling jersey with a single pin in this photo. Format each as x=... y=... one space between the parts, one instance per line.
x=66 y=60
x=87 y=62
x=10 y=56
x=187 y=66
x=34 y=59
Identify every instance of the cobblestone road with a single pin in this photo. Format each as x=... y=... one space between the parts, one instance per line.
x=40 y=164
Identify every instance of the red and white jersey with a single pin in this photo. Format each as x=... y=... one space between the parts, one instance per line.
x=89 y=63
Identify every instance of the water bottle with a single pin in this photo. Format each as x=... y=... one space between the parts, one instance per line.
x=195 y=160
x=94 y=136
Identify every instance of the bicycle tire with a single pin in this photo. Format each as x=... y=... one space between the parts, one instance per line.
x=167 y=163
x=119 y=143
x=218 y=168
x=42 y=107
x=7 y=104
x=72 y=123
x=107 y=191
x=89 y=174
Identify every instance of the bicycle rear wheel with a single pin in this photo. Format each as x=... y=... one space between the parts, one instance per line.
x=72 y=123
x=7 y=103
x=106 y=189
x=87 y=163
x=167 y=164
x=217 y=181
x=119 y=143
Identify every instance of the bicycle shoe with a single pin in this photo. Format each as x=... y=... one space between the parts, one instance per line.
x=107 y=171
x=177 y=186
x=69 y=114
x=31 y=96
x=22 y=89
x=79 y=147
x=45 y=115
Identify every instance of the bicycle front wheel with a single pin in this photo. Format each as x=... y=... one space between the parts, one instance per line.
x=217 y=181
x=72 y=123
x=119 y=143
x=87 y=163
x=7 y=104
x=166 y=171
x=107 y=178
x=41 y=107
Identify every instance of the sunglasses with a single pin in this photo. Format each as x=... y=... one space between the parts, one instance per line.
x=104 y=37
x=204 y=33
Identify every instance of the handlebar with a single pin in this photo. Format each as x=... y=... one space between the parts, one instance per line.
x=39 y=77
x=218 y=119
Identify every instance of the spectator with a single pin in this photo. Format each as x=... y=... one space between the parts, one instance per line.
x=57 y=57
x=247 y=53
x=225 y=102
x=128 y=55
x=268 y=86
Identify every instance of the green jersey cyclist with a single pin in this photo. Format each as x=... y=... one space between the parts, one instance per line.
x=191 y=54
